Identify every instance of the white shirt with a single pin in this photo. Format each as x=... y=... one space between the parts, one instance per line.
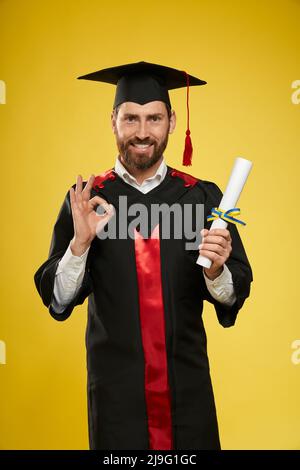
x=148 y=183
x=71 y=268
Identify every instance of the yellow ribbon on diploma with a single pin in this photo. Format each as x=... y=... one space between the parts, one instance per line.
x=217 y=213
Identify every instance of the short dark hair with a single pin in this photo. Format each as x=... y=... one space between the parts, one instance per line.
x=169 y=111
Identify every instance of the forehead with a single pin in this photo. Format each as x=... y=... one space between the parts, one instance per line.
x=148 y=108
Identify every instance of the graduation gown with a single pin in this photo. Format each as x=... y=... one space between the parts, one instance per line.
x=149 y=384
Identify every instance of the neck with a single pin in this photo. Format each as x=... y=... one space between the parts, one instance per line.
x=141 y=175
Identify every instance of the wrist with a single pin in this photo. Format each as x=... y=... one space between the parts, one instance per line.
x=78 y=248
x=213 y=275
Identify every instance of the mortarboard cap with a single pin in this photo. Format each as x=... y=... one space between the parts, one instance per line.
x=142 y=82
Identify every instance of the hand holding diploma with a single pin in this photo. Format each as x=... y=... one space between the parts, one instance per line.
x=216 y=246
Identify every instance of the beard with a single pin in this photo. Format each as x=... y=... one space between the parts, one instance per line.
x=139 y=160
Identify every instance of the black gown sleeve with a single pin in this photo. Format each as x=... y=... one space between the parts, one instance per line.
x=44 y=277
x=237 y=263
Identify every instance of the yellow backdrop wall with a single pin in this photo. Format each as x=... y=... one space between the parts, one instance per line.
x=54 y=127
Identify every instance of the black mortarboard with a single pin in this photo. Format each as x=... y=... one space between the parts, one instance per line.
x=142 y=82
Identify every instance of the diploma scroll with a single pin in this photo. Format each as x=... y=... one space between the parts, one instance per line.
x=237 y=180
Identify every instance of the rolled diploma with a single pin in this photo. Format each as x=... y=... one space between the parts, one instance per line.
x=237 y=180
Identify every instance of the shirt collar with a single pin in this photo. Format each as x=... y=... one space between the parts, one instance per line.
x=125 y=175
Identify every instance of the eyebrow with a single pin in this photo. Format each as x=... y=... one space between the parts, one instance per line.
x=126 y=115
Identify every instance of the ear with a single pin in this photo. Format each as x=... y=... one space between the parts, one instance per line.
x=113 y=122
x=172 y=122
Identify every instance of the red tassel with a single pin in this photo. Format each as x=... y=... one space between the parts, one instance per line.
x=188 y=148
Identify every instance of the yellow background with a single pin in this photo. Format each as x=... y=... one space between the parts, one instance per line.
x=54 y=127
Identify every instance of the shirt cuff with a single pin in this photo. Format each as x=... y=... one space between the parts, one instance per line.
x=70 y=261
x=224 y=278
x=221 y=288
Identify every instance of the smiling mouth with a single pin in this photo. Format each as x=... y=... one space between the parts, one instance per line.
x=141 y=146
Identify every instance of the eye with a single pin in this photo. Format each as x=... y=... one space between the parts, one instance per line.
x=130 y=118
x=156 y=118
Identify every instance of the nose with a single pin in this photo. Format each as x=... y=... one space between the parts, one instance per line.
x=142 y=131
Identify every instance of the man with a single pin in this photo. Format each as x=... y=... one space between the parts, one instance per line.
x=149 y=384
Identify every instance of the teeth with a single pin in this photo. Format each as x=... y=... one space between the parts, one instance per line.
x=141 y=146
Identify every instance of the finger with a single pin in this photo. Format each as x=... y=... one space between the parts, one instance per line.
x=99 y=201
x=214 y=257
x=216 y=239
x=87 y=189
x=78 y=189
x=74 y=206
x=213 y=247
x=108 y=214
x=222 y=232
x=111 y=210
x=72 y=197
